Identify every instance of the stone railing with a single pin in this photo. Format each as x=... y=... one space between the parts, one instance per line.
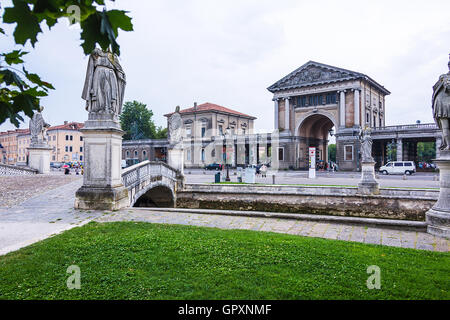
x=407 y=127
x=8 y=170
x=146 y=170
x=141 y=177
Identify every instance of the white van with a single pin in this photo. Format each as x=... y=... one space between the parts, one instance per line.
x=398 y=167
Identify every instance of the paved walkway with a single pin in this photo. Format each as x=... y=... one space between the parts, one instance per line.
x=52 y=212
x=40 y=217
x=389 y=237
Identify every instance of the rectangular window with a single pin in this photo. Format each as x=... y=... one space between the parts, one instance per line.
x=70 y=149
x=71 y=138
x=398 y=164
x=67 y=149
x=280 y=154
x=311 y=100
x=320 y=99
x=348 y=153
x=81 y=138
x=81 y=149
x=220 y=130
x=188 y=155
x=188 y=131
x=67 y=137
x=203 y=131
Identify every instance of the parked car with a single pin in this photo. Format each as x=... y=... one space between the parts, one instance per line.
x=213 y=166
x=56 y=165
x=398 y=167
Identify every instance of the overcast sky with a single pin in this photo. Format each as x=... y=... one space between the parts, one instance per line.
x=229 y=52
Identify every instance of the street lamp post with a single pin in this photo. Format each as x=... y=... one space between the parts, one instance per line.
x=226 y=137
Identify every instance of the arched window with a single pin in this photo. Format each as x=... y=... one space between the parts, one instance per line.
x=135 y=153
x=128 y=154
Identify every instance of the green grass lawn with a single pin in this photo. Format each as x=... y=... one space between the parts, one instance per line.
x=128 y=260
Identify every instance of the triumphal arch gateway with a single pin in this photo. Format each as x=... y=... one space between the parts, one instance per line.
x=317 y=100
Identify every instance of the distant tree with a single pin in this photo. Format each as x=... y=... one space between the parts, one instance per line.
x=21 y=90
x=161 y=133
x=332 y=152
x=426 y=151
x=136 y=121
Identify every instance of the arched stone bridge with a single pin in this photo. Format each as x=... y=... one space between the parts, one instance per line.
x=152 y=184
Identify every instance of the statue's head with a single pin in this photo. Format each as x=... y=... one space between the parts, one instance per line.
x=97 y=52
x=41 y=108
x=177 y=109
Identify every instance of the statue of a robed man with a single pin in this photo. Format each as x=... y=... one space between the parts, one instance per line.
x=38 y=128
x=366 y=145
x=104 y=85
x=441 y=107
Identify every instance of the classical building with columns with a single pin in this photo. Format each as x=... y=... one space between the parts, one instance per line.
x=315 y=98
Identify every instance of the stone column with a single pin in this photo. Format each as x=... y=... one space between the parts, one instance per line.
x=252 y=144
x=438 y=144
x=357 y=108
x=275 y=114
x=399 y=150
x=438 y=217
x=342 y=109
x=287 y=110
x=102 y=180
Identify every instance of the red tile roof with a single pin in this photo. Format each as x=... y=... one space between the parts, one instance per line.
x=205 y=107
x=68 y=126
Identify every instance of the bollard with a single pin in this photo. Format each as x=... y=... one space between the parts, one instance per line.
x=273 y=179
x=404 y=177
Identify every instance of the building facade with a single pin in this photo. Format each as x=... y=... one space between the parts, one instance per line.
x=135 y=151
x=66 y=141
x=317 y=100
x=216 y=134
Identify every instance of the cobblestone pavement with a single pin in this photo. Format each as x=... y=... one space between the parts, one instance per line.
x=372 y=235
x=16 y=189
x=41 y=216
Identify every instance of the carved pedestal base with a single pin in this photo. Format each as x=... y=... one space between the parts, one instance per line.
x=39 y=158
x=175 y=159
x=438 y=217
x=368 y=185
x=102 y=181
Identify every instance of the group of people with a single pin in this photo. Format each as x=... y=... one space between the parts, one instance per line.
x=326 y=166
x=77 y=166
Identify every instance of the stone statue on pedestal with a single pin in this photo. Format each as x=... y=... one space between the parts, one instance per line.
x=104 y=85
x=441 y=107
x=175 y=128
x=175 y=151
x=103 y=92
x=366 y=145
x=38 y=129
x=438 y=217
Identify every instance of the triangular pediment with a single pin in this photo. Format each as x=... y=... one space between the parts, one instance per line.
x=313 y=73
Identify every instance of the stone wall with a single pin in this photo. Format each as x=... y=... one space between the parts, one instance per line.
x=404 y=204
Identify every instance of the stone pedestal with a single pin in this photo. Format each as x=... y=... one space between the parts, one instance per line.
x=102 y=180
x=368 y=185
x=175 y=158
x=438 y=217
x=39 y=157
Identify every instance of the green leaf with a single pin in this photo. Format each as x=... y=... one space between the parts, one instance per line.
x=91 y=34
x=2 y=31
x=27 y=24
x=106 y=29
x=37 y=80
x=119 y=19
x=14 y=57
x=11 y=78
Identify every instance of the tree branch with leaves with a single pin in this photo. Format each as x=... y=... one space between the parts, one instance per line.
x=20 y=90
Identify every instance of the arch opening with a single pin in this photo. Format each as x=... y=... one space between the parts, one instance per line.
x=315 y=131
x=157 y=197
